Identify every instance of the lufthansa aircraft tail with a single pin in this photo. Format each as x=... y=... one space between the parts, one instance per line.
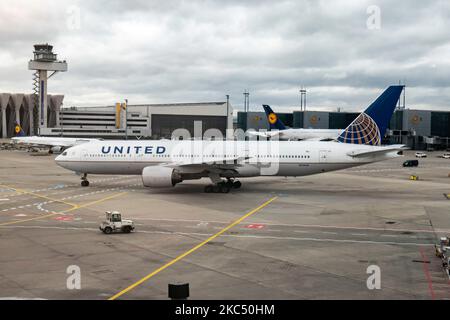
x=18 y=130
x=370 y=126
x=274 y=122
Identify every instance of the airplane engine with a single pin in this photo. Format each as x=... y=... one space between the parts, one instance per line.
x=248 y=171
x=56 y=149
x=160 y=177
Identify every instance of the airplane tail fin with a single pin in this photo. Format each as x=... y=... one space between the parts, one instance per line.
x=18 y=130
x=272 y=117
x=370 y=126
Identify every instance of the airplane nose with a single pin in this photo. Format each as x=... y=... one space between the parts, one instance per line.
x=58 y=159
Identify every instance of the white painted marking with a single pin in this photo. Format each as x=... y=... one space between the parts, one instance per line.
x=4 y=199
x=358 y=234
x=305 y=225
x=235 y=236
x=20 y=215
x=202 y=224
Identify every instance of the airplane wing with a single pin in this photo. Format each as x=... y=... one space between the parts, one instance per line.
x=42 y=143
x=49 y=142
x=380 y=150
x=55 y=144
x=213 y=164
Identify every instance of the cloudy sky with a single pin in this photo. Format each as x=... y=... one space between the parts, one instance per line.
x=343 y=52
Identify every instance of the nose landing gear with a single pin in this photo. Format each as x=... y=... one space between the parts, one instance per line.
x=84 y=180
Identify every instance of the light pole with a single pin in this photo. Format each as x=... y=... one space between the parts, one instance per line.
x=302 y=99
x=246 y=101
x=61 y=120
x=126 y=119
x=228 y=115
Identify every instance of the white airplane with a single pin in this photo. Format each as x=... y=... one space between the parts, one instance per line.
x=166 y=163
x=54 y=144
x=279 y=130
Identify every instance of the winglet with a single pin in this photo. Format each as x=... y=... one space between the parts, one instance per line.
x=272 y=117
x=369 y=127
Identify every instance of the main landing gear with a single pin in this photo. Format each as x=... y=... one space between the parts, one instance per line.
x=84 y=180
x=223 y=186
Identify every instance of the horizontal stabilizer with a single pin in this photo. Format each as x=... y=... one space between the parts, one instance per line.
x=264 y=134
x=377 y=151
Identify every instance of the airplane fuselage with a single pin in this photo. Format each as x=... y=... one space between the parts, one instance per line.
x=243 y=158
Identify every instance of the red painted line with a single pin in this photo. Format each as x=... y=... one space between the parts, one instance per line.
x=64 y=218
x=427 y=274
x=255 y=226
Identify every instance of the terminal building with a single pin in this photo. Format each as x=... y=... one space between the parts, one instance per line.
x=22 y=108
x=418 y=129
x=148 y=121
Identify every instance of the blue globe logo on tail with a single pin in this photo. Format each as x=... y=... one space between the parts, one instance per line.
x=369 y=127
x=363 y=130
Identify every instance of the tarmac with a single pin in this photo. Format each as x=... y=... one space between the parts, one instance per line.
x=309 y=237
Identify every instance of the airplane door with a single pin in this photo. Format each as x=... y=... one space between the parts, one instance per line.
x=83 y=154
x=323 y=155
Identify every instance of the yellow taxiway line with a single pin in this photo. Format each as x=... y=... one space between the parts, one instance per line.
x=37 y=195
x=75 y=207
x=95 y=202
x=30 y=219
x=137 y=283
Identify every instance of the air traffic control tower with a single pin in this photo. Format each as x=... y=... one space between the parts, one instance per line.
x=44 y=60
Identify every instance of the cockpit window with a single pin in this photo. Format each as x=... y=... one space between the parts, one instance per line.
x=64 y=153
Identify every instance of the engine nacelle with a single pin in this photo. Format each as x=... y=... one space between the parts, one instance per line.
x=56 y=149
x=160 y=177
x=248 y=171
